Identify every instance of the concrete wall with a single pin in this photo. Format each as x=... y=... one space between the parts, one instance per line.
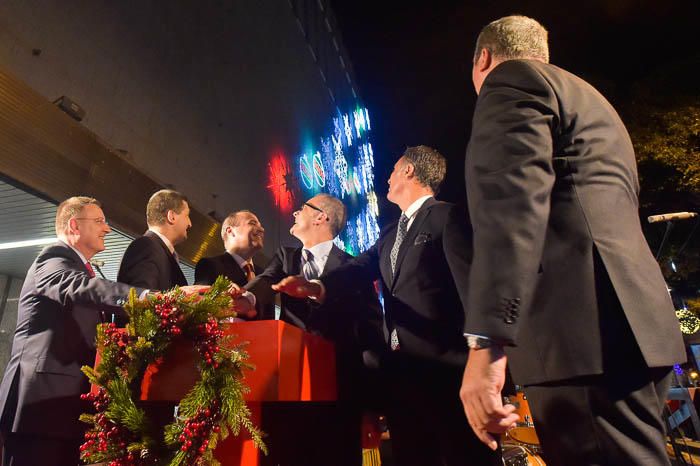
x=197 y=94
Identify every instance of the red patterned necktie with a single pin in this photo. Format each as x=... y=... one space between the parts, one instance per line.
x=249 y=271
x=90 y=270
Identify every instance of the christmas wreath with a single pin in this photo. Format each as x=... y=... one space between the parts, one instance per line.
x=120 y=431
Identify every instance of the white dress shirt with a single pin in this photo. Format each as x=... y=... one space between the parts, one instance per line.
x=413 y=209
x=320 y=253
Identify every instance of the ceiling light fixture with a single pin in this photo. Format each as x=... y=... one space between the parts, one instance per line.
x=27 y=243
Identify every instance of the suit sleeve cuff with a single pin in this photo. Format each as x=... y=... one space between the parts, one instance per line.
x=322 y=295
x=250 y=297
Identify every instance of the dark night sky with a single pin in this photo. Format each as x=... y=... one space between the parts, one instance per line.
x=412 y=61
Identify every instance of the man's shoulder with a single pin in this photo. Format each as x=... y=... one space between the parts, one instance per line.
x=285 y=251
x=57 y=250
x=145 y=243
x=340 y=252
x=213 y=259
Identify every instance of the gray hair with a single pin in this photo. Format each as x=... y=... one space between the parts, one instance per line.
x=70 y=208
x=335 y=210
x=428 y=164
x=513 y=37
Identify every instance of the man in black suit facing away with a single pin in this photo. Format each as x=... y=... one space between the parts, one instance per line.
x=60 y=305
x=422 y=262
x=243 y=237
x=562 y=276
x=151 y=261
x=355 y=327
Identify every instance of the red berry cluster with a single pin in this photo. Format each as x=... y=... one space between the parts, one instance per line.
x=169 y=315
x=207 y=341
x=195 y=435
x=106 y=436
x=118 y=340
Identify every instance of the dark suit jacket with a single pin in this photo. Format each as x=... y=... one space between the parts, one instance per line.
x=355 y=326
x=208 y=270
x=59 y=309
x=147 y=263
x=552 y=188
x=424 y=300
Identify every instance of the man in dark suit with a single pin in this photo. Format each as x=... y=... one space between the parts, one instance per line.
x=355 y=327
x=562 y=276
x=243 y=237
x=151 y=261
x=60 y=305
x=422 y=262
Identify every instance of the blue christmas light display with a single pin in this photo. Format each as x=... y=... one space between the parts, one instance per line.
x=343 y=166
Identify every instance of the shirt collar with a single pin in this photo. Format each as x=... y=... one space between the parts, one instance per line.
x=239 y=260
x=321 y=249
x=167 y=242
x=80 y=254
x=417 y=204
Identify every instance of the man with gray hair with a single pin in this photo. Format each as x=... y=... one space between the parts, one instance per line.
x=562 y=280
x=60 y=305
x=422 y=265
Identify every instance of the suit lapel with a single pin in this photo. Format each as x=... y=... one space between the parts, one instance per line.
x=335 y=259
x=174 y=266
x=232 y=269
x=407 y=243
x=385 y=245
x=294 y=262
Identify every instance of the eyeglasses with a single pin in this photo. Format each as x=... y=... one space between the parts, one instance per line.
x=311 y=206
x=98 y=220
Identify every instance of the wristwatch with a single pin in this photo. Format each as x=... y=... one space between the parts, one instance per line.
x=477 y=342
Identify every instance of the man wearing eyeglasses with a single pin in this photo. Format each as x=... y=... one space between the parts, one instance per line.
x=60 y=305
x=355 y=327
x=422 y=264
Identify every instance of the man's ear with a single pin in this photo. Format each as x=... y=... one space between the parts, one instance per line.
x=409 y=169
x=484 y=61
x=170 y=216
x=73 y=225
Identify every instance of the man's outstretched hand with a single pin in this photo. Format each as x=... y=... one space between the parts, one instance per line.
x=298 y=287
x=195 y=289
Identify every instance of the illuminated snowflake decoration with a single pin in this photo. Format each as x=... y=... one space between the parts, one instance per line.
x=360 y=229
x=348 y=129
x=345 y=172
x=340 y=167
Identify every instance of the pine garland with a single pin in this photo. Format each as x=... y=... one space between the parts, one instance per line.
x=120 y=432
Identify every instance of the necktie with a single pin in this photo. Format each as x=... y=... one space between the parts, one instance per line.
x=308 y=267
x=249 y=271
x=90 y=270
x=400 y=235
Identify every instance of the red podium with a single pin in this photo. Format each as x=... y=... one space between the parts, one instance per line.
x=293 y=395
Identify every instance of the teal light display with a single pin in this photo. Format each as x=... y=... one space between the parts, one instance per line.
x=343 y=166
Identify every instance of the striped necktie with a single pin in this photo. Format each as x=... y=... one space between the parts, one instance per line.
x=308 y=266
x=400 y=235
